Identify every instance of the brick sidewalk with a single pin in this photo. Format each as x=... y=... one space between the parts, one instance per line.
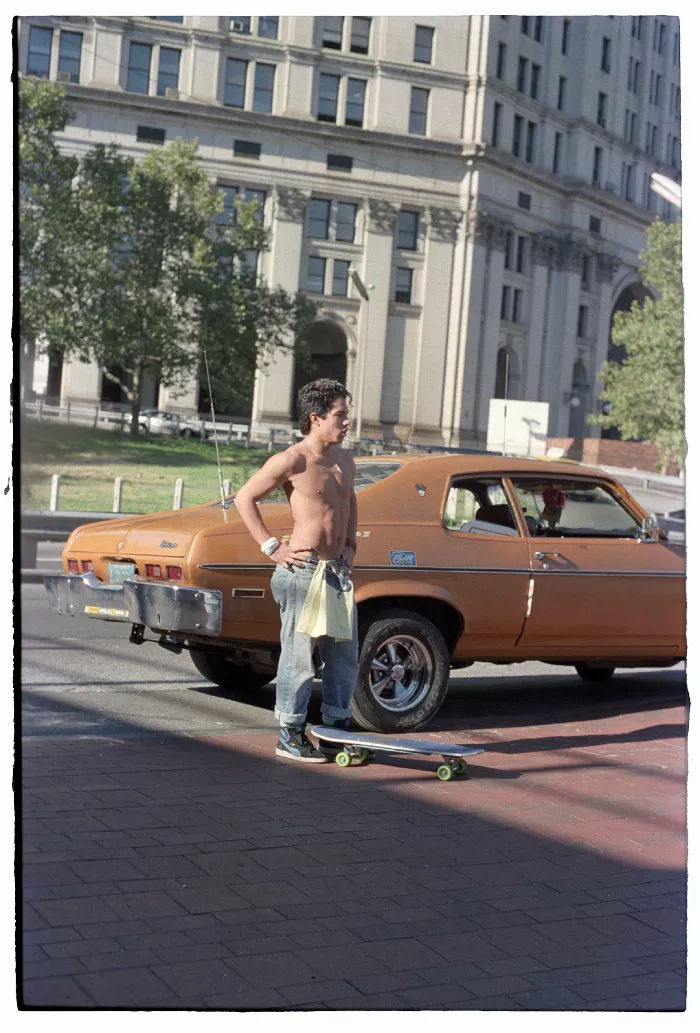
x=204 y=873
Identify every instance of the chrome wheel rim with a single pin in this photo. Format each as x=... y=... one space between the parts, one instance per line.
x=401 y=673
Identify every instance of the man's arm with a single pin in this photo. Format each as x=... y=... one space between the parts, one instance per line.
x=276 y=472
x=348 y=554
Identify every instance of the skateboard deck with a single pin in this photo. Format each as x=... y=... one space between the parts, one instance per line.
x=360 y=746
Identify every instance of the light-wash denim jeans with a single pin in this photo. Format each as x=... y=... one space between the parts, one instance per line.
x=295 y=674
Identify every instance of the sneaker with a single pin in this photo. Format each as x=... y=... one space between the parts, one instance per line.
x=330 y=749
x=294 y=744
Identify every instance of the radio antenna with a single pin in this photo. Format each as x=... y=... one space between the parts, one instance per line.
x=216 y=440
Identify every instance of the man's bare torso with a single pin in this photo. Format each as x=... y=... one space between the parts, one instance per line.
x=319 y=492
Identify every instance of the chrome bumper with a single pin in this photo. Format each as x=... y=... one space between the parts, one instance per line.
x=163 y=606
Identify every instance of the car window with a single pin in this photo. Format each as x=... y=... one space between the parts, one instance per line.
x=479 y=507
x=555 y=507
x=367 y=474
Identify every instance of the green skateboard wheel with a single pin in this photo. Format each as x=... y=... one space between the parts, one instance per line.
x=343 y=759
x=460 y=767
x=363 y=756
x=444 y=772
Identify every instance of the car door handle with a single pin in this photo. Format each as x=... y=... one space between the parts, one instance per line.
x=543 y=555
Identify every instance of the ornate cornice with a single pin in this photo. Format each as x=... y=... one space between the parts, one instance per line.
x=443 y=223
x=382 y=216
x=290 y=204
x=571 y=252
x=544 y=249
x=489 y=230
x=605 y=267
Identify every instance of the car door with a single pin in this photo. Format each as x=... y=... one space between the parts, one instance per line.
x=597 y=589
x=486 y=563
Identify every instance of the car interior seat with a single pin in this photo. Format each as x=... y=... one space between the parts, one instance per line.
x=500 y=515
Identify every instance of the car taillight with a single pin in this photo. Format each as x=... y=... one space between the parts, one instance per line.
x=74 y=566
x=87 y=566
x=174 y=573
x=154 y=570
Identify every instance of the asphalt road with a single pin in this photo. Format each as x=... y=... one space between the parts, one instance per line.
x=83 y=678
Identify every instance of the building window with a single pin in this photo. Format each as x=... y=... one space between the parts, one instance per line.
x=39 y=57
x=496 y=127
x=359 y=35
x=605 y=55
x=139 y=71
x=530 y=141
x=404 y=285
x=505 y=301
x=582 y=321
x=418 y=116
x=676 y=50
x=657 y=91
x=239 y=23
x=565 y=36
x=341 y=272
x=675 y=152
x=525 y=25
x=508 y=250
x=652 y=142
x=524 y=200
x=651 y=88
x=268 y=27
x=630 y=74
x=423 y=44
x=338 y=163
x=328 y=86
x=407 y=230
x=637 y=77
x=520 y=255
x=264 y=87
x=593 y=224
x=629 y=182
x=149 y=134
x=345 y=216
x=234 y=88
x=355 y=102
x=246 y=149
x=556 y=158
x=69 y=49
x=602 y=109
x=332 y=33
x=650 y=199
x=538 y=29
x=517 y=134
x=517 y=313
x=315 y=275
x=662 y=38
x=522 y=73
x=585 y=273
x=319 y=219
x=178 y=18
x=501 y=61
x=168 y=70
x=597 y=165
x=535 y=80
x=561 y=94
x=633 y=127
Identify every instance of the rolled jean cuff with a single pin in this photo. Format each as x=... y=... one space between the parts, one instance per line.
x=333 y=713
x=293 y=720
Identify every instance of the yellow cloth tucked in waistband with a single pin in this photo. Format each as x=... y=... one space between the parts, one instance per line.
x=329 y=606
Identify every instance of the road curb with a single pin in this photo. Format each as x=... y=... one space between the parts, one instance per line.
x=36 y=576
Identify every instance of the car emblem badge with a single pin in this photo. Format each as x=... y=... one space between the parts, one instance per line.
x=420 y=488
x=402 y=559
x=122 y=544
x=167 y=545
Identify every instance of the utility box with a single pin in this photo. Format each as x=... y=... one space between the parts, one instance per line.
x=517 y=428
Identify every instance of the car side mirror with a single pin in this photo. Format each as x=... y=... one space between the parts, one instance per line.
x=649 y=530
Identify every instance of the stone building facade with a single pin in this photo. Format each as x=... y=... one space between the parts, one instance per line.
x=489 y=176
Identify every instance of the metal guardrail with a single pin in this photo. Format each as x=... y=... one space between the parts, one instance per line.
x=41 y=525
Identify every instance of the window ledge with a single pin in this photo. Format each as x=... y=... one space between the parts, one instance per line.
x=403 y=308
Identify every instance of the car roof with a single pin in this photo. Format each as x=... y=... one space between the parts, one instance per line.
x=488 y=462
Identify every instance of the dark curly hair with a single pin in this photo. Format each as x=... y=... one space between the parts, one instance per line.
x=318 y=397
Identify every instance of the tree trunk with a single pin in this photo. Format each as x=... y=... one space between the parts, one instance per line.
x=135 y=403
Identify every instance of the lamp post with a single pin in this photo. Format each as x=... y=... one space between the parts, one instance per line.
x=363 y=291
x=666 y=188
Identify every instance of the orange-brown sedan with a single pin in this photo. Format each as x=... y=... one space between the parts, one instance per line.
x=459 y=558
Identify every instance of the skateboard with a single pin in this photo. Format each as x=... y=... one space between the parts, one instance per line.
x=361 y=746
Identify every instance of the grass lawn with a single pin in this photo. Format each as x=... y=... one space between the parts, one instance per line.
x=89 y=460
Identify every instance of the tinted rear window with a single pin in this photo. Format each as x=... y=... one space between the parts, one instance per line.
x=367 y=474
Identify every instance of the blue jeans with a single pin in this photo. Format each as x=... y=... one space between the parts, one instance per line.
x=295 y=674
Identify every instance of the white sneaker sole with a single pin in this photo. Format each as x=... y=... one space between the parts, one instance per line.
x=301 y=760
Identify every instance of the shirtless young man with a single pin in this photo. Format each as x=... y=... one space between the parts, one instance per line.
x=317 y=475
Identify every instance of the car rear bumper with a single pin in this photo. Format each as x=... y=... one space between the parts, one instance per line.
x=163 y=606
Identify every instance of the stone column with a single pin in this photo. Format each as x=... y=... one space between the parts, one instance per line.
x=443 y=227
x=80 y=382
x=272 y=398
x=561 y=338
x=605 y=266
x=380 y=221
x=484 y=322
x=543 y=249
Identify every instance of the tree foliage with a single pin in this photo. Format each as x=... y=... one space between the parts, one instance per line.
x=644 y=393
x=152 y=271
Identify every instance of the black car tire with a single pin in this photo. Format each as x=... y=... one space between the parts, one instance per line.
x=594 y=674
x=186 y=433
x=235 y=678
x=420 y=644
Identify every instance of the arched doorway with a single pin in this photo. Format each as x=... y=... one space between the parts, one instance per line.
x=320 y=352
x=507 y=374
x=618 y=353
x=580 y=400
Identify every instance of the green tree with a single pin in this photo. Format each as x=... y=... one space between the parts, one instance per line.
x=644 y=393
x=151 y=274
